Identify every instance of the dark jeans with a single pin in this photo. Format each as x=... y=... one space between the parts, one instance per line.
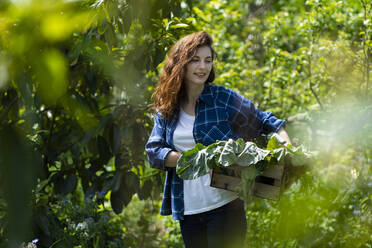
x=223 y=227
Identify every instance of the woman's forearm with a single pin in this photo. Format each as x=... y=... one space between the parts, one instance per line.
x=282 y=133
x=172 y=158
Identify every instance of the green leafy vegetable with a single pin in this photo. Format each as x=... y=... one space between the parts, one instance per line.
x=201 y=159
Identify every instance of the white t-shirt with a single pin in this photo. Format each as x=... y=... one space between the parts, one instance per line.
x=198 y=195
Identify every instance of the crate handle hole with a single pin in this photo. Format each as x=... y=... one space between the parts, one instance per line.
x=265 y=180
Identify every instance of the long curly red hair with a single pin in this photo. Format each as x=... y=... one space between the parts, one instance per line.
x=171 y=90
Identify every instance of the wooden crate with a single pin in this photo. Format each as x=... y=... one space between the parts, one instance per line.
x=268 y=185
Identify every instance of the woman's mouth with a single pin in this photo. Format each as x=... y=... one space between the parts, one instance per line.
x=201 y=75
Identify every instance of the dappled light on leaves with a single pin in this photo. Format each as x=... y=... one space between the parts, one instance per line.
x=3 y=72
x=51 y=72
x=59 y=26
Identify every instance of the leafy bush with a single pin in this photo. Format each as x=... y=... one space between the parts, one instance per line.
x=75 y=84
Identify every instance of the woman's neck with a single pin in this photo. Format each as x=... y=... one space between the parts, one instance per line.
x=193 y=93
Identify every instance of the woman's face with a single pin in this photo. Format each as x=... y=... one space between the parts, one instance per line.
x=198 y=69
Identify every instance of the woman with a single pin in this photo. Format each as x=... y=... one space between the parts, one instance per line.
x=190 y=110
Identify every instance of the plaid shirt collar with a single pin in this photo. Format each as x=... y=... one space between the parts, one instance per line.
x=207 y=95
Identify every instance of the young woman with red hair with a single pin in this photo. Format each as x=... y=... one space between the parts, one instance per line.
x=190 y=110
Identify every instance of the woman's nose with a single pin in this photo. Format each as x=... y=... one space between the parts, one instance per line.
x=202 y=64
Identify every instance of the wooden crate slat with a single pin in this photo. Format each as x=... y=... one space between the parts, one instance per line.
x=278 y=183
x=224 y=181
x=236 y=167
x=266 y=191
x=274 y=172
x=267 y=185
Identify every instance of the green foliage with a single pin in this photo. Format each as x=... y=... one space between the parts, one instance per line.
x=75 y=84
x=72 y=221
x=76 y=89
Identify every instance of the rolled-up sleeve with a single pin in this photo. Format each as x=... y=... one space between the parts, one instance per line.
x=247 y=120
x=156 y=146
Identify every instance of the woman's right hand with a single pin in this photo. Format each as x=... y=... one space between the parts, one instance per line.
x=172 y=158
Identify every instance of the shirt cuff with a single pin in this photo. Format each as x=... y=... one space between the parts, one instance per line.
x=163 y=155
x=282 y=124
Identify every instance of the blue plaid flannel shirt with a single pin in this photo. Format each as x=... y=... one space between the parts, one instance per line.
x=220 y=114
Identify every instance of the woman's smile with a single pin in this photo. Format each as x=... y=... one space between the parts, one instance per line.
x=201 y=75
